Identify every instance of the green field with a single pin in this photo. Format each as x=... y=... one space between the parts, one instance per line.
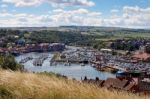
x=114 y=36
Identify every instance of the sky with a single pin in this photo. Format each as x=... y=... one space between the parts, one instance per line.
x=50 y=13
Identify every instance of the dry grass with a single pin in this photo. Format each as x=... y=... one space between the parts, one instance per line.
x=16 y=85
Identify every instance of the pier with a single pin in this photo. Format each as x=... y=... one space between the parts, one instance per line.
x=26 y=60
x=78 y=56
x=39 y=61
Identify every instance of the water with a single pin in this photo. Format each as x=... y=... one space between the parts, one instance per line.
x=74 y=71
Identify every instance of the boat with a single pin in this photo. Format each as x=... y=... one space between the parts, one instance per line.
x=82 y=64
x=67 y=64
x=93 y=65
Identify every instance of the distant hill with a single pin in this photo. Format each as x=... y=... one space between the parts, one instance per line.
x=30 y=28
x=79 y=28
x=103 y=29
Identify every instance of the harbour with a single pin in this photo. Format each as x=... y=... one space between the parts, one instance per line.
x=78 y=62
x=91 y=66
x=74 y=71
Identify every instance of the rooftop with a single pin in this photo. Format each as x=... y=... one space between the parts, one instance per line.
x=141 y=56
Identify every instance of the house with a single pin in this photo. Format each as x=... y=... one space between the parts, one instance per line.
x=56 y=47
x=134 y=85
x=115 y=83
x=2 y=51
x=97 y=82
x=106 y=50
x=144 y=85
x=131 y=87
x=21 y=42
x=147 y=48
x=141 y=56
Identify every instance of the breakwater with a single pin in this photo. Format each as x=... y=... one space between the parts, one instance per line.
x=26 y=60
x=39 y=61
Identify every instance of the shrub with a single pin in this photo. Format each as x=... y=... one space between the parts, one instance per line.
x=8 y=62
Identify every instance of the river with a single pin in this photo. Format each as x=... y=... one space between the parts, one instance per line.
x=74 y=71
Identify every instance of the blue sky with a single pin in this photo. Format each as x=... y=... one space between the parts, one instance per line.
x=122 y=13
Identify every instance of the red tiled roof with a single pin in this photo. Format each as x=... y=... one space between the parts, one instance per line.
x=141 y=56
x=129 y=87
x=109 y=82
x=120 y=84
x=115 y=83
x=1 y=50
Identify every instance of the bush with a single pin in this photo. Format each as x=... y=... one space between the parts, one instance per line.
x=5 y=93
x=8 y=62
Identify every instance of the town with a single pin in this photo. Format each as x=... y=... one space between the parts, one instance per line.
x=74 y=49
x=127 y=59
x=132 y=69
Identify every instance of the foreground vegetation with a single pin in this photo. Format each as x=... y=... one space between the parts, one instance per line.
x=17 y=85
x=9 y=62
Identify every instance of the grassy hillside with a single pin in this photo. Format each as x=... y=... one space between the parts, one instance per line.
x=16 y=85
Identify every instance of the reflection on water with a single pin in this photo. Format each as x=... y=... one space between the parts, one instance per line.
x=74 y=71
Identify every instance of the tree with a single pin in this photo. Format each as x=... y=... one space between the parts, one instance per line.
x=8 y=62
x=147 y=48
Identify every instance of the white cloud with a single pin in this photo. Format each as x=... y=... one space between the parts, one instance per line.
x=114 y=11
x=135 y=17
x=55 y=18
x=132 y=17
x=20 y=3
x=4 y=6
x=136 y=10
x=75 y=17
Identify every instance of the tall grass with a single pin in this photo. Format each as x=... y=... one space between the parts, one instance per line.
x=17 y=85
